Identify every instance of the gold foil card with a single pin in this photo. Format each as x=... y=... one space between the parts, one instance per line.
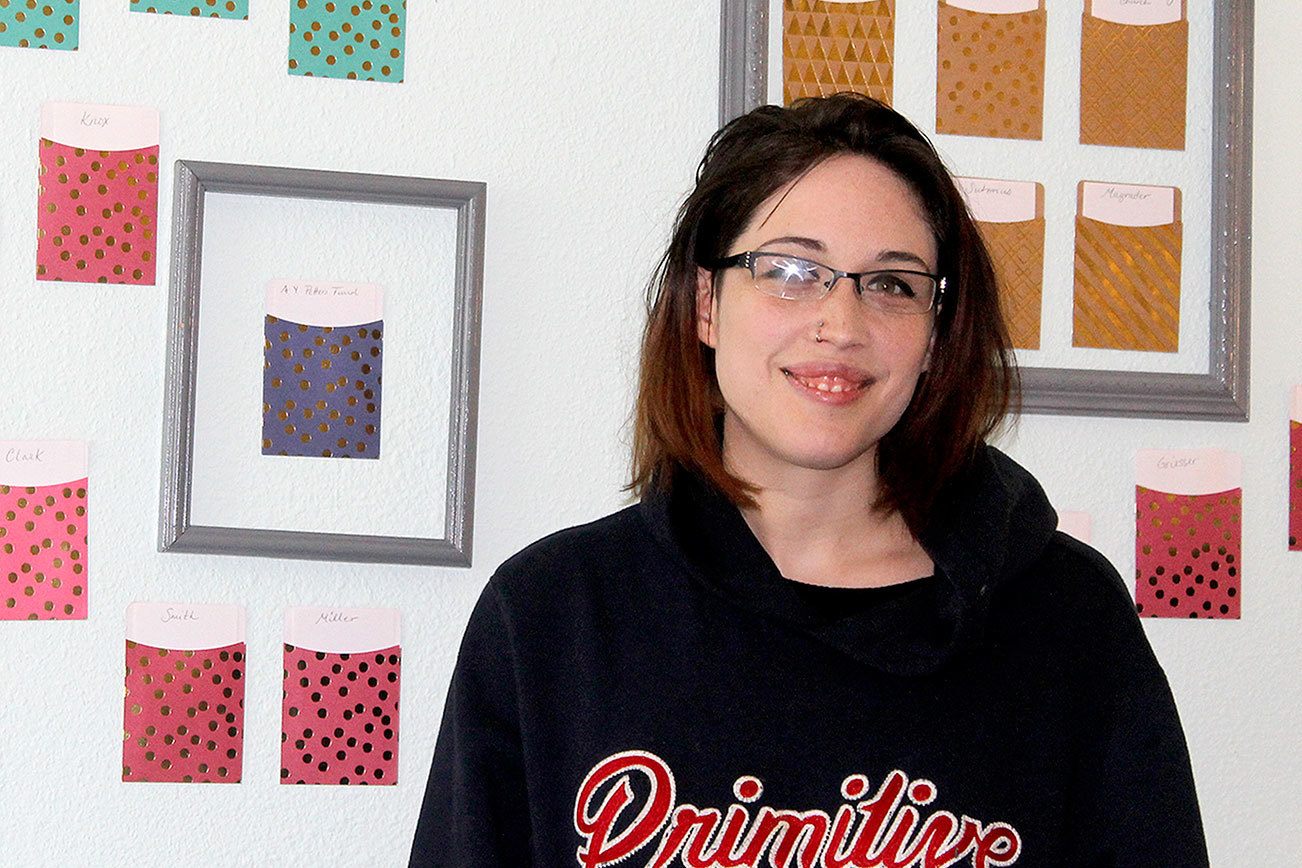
x=990 y=68
x=1127 y=271
x=1134 y=58
x=830 y=46
x=1010 y=216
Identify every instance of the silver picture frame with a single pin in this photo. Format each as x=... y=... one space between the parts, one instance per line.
x=1220 y=394
x=193 y=181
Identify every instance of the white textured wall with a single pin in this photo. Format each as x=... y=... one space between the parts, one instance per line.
x=586 y=126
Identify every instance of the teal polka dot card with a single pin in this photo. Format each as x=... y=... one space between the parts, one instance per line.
x=238 y=9
x=48 y=24
x=357 y=39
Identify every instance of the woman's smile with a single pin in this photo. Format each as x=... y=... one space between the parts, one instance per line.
x=828 y=383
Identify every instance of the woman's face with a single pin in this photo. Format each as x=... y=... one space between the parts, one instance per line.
x=791 y=400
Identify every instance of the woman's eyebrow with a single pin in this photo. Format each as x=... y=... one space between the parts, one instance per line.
x=799 y=240
x=902 y=256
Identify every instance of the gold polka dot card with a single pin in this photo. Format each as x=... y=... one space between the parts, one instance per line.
x=830 y=46
x=1010 y=217
x=183 y=712
x=43 y=490
x=98 y=193
x=362 y=40
x=1188 y=533
x=1134 y=59
x=237 y=9
x=990 y=68
x=1127 y=267
x=339 y=718
x=47 y=24
x=322 y=365
x=1295 y=472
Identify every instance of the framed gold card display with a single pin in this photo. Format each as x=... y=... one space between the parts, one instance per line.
x=322 y=368
x=1104 y=148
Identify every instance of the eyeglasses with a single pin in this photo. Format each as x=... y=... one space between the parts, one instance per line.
x=892 y=290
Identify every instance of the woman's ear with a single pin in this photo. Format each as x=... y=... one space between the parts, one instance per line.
x=705 y=308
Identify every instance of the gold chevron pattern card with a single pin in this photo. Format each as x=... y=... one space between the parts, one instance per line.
x=1127 y=268
x=1010 y=216
x=1134 y=59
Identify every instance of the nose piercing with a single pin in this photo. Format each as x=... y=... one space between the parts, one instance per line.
x=818 y=332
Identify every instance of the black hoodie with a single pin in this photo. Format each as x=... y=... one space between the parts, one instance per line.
x=649 y=690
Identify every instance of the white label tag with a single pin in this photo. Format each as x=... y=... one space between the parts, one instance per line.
x=99 y=127
x=325 y=302
x=185 y=626
x=1127 y=204
x=994 y=201
x=1188 y=471
x=1137 y=12
x=997 y=7
x=1076 y=524
x=342 y=631
x=27 y=463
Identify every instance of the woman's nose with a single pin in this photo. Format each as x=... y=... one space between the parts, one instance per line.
x=842 y=313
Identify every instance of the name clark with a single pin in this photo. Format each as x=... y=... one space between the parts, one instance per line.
x=335 y=618
x=883 y=829
x=15 y=454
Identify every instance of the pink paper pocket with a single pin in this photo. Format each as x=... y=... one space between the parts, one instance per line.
x=43 y=486
x=1188 y=534
x=183 y=718
x=1295 y=472
x=98 y=203
x=339 y=720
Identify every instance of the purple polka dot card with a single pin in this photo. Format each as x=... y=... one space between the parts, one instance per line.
x=322 y=364
x=339 y=717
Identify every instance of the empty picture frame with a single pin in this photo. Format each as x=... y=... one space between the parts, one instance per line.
x=1209 y=379
x=238 y=233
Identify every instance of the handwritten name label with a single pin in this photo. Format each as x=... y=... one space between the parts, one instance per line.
x=17 y=455
x=171 y=614
x=991 y=190
x=1173 y=463
x=90 y=120
x=1126 y=195
x=311 y=290
x=335 y=618
x=1145 y=3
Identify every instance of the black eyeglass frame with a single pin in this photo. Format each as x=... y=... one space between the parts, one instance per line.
x=746 y=259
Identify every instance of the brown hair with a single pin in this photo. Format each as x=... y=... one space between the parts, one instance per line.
x=971 y=381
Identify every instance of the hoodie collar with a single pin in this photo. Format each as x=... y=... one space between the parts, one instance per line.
x=990 y=523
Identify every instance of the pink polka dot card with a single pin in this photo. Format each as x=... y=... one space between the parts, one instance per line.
x=1188 y=533
x=183 y=714
x=43 y=517
x=97 y=201
x=1295 y=472
x=339 y=720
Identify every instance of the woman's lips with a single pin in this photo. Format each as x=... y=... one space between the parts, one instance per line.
x=835 y=384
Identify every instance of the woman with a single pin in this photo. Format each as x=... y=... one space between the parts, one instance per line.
x=838 y=629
